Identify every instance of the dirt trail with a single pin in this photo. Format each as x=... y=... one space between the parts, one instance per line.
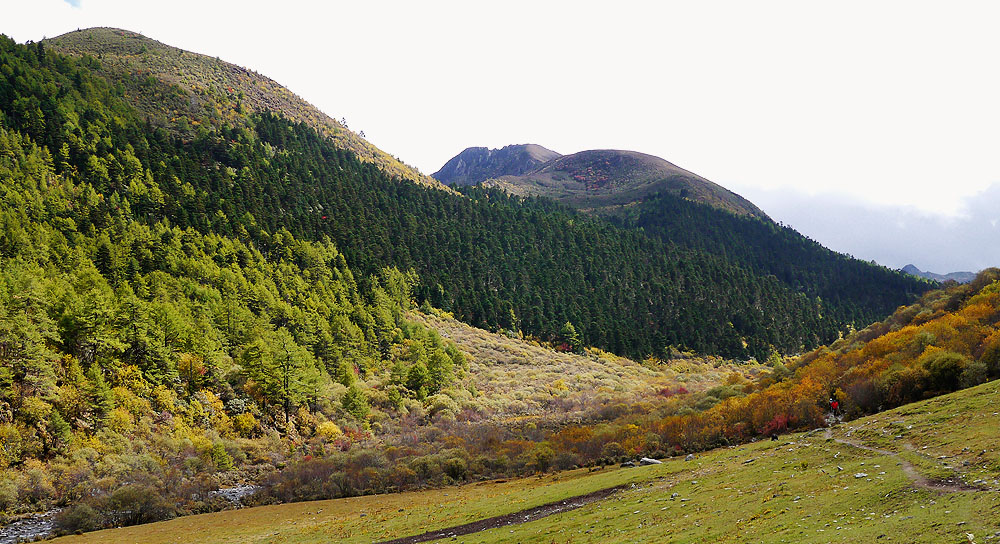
x=947 y=485
x=515 y=518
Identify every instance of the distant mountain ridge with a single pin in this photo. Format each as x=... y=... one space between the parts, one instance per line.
x=600 y=180
x=648 y=194
x=477 y=164
x=960 y=277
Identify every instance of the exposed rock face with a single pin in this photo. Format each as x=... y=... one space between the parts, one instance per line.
x=237 y=494
x=477 y=164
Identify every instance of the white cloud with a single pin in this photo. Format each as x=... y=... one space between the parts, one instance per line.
x=895 y=235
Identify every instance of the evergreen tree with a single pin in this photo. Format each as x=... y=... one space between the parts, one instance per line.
x=569 y=336
x=356 y=403
x=99 y=394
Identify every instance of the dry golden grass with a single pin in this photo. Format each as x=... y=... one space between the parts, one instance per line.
x=517 y=379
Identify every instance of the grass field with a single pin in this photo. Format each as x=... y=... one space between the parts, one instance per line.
x=806 y=487
x=520 y=380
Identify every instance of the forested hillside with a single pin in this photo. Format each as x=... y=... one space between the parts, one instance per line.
x=946 y=341
x=500 y=261
x=495 y=261
x=637 y=191
x=768 y=248
x=189 y=93
x=181 y=313
x=136 y=351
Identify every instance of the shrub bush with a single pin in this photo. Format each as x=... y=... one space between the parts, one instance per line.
x=245 y=424
x=974 y=373
x=455 y=467
x=135 y=504
x=79 y=518
x=221 y=457
x=565 y=460
x=612 y=450
x=945 y=369
x=8 y=493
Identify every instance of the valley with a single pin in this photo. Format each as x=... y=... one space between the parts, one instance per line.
x=210 y=288
x=805 y=487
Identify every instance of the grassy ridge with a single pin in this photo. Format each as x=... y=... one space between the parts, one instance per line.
x=181 y=90
x=522 y=380
x=803 y=488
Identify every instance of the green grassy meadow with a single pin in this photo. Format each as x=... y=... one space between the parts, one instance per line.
x=805 y=487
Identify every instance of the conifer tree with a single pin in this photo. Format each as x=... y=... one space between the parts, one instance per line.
x=98 y=393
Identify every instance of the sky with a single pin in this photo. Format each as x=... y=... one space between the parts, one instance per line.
x=872 y=127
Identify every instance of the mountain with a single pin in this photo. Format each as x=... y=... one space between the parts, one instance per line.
x=606 y=180
x=214 y=164
x=645 y=193
x=217 y=166
x=476 y=164
x=960 y=277
x=217 y=295
x=183 y=91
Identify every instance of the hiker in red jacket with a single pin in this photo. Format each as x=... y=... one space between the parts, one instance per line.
x=835 y=407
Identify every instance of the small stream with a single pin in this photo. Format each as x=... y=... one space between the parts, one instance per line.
x=37 y=526
x=234 y=495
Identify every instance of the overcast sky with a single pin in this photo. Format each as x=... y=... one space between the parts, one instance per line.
x=871 y=126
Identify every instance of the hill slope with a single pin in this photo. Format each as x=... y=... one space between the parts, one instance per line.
x=494 y=260
x=604 y=180
x=523 y=381
x=923 y=471
x=636 y=191
x=179 y=314
x=254 y=173
x=803 y=488
x=180 y=90
x=763 y=246
x=476 y=164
